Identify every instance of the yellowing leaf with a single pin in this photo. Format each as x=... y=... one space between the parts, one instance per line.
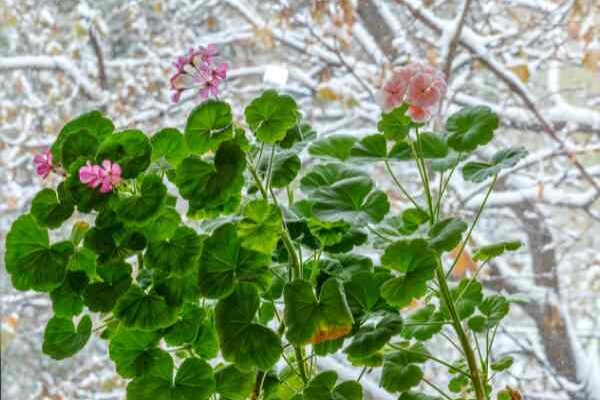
x=327 y=94
x=591 y=60
x=465 y=263
x=522 y=71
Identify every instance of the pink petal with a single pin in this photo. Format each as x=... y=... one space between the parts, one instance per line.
x=419 y=114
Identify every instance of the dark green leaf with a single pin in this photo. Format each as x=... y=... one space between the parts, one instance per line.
x=422 y=324
x=400 y=372
x=243 y=342
x=370 y=148
x=93 y=122
x=431 y=145
x=67 y=300
x=339 y=193
x=48 y=211
x=178 y=254
x=62 y=340
x=502 y=364
x=134 y=352
x=323 y=387
x=362 y=292
x=233 y=384
x=186 y=328
x=194 y=381
x=370 y=339
x=143 y=311
x=130 y=149
x=467 y=296
x=493 y=310
x=225 y=262
x=409 y=255
x=30 y=259
x=145 y=205
x=77 y=144
x=309 y=319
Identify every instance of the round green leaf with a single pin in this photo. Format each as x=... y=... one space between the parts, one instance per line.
x=271 y=115
x=208 y=126
x=194 y=381
x=284 y=169
x=243 y=342
x=116 y=279
x=93 y=123
x=341 y=193
x=400 y=291
x=400 y=370
x=130 y=149
x=48 y=211
x=502 y=364
x=224 y=262
x=177 y=255
x=395 y=125
x=169 y=144
x=446 y=234
x=208 y=186
x=260 y=228
x=145 y=205
x=467 y=295
x=370 y=148
x=409 y=255
x=133 y=352
x=362 y=292
x=335 y=147
x=323 y=387
x=78 y=144
x=30 y=260
x=431 y=145
x=471 y=127
x=67 y=299
x=309 y=319
x=143 y=311
x=233 y=384
x=186 y=328
x=370 y=339
x=61 y=340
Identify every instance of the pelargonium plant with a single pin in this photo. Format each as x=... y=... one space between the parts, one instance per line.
x=216 y=264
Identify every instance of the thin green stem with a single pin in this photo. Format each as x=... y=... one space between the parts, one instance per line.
x=460 y=332
x=424 y=176
x=461 y=294
x=432 y=358
x=464 y=243
x=300 y=361
x=362 y=372
x=441 y=194
x=270 y=168
x=437 y=389
x=378 y=234
x=258 y=182
x=397 y=182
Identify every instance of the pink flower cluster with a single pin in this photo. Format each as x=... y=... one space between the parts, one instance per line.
x=43 y=164
x=199 y=70
x=106 y=176
x=419 y=85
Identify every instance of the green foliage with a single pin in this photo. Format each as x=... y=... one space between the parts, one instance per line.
x=169 y=144
x=208 y=125
x=316 y=320
x=131 y=149
x=471 y=127
x=48 y=210
x=480 y=171
x=271 y=115
x=247 y=344
x=271 y=258
x=62 y=340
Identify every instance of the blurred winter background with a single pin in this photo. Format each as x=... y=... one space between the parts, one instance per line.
x=535 y=62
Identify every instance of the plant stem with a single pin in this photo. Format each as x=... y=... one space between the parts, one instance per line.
x=300 y=361
x=397 y=182
x=441 y=194
x=464 y=243
x=432 y=358
x=260 y=377
x=437 y=389
x=462 y=336
x=424 y=176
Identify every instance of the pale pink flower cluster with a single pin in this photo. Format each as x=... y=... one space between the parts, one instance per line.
x=199 y=70
x=106 y=176
x=43 y=164
x=418 y=85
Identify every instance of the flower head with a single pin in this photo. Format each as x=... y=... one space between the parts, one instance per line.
x=107 y=176
x=421 y=86
x=43 y=163
x=198 y=70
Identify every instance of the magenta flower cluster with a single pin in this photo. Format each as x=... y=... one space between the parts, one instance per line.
x=107 y=176
x=43 y=164
x=200 y=70
x=420 y=86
